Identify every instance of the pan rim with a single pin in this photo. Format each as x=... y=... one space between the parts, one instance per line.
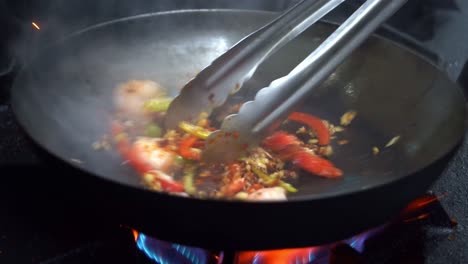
x=300 y=199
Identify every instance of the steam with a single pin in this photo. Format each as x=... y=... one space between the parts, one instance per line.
x=66 y=97
x=57 y=18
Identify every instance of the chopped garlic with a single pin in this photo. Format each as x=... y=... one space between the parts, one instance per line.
x=77 y=161
x=301 y=130
x=343 y=142
x=338 y=129
x=326 y=151
x=375 y=150
x=393 y=141
x=347 y=118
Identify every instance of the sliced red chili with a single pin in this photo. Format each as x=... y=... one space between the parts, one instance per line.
x=233 y=187
x=280 y=140
x=315 y=123
x=186 y=150
x=316 y=165
x=168 y=185
x=255 y=187
x=171 y=186
x=288 y=148
x=120 y=138
x=199 y=144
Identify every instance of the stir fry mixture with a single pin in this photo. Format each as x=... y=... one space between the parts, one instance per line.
x=170 y=160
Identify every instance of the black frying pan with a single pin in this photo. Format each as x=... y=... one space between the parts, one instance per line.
x=63 y=99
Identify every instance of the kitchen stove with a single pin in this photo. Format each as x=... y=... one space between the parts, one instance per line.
x=423 y=212
x=40 y=228
x=40 y=225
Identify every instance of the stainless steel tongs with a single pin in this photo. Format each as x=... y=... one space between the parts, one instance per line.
x=272 y=104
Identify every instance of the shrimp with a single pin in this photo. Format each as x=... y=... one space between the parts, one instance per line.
x=131 y=96
x=147 y=155
x=268 y=194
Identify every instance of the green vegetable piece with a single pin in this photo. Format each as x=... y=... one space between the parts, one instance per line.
x=157 y=105
x=197 y=131
x=288 y=187
x=188 y=183
x=179 y=160
x=267 y=179
x=153 y=130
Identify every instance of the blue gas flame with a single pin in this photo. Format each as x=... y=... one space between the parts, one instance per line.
x=169 y=253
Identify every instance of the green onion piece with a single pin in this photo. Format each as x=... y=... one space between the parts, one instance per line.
x=153 y=130
x=197 y=131
x=288 y=187
x=269 y=180
x=156 y=105
x=181 y=161
x=188 y=183
x=265 y=177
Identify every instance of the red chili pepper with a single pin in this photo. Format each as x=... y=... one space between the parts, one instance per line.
x=186 y=150
x=168 y=185
x=315 y=123
x=280 y=140
x=316 y=165
x=255 y=187
x=171 y=186
x=287 y=146
x=233 y=187
x=199 y=144
x=118 y=133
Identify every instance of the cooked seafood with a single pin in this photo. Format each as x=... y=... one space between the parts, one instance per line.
x=170 y=160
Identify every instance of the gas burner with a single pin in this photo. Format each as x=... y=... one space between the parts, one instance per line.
x=165 y=252
x=424 y=213
x=349 y=250
x=342 y=252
